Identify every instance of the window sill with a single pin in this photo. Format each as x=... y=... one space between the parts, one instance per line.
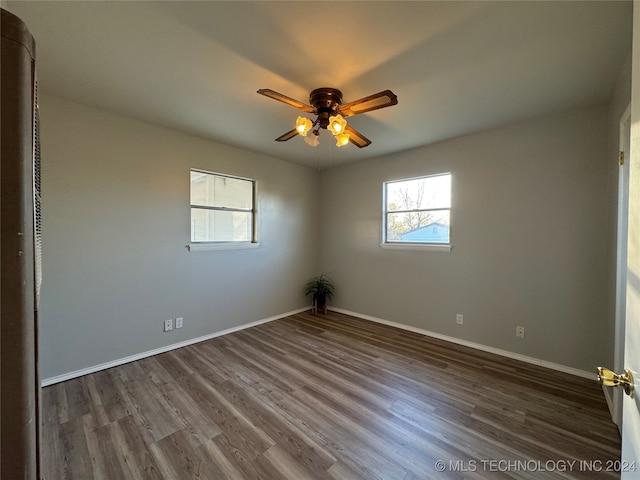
x=206 y=247
x=423 y=247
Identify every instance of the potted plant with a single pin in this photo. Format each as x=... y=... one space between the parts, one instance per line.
x=320 y=289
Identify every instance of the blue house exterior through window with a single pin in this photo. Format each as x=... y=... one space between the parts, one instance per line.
x=432 y=233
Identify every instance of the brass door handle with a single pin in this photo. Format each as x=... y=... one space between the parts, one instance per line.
x=611 y=379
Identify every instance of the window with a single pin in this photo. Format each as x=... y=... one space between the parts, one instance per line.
x=222 y=208
x=417 y=210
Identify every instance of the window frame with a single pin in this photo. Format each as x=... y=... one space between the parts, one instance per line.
x=428 y=246
x=224 y=244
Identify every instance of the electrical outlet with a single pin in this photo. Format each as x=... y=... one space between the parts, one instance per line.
x=520 y=332
x=168 y=325
x=179 y=322
x=459 y=319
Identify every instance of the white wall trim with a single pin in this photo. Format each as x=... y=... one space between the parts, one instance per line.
x=477 y=346
x=121 y=361
x=425 y=247
x=504 y=353
x=207 y=247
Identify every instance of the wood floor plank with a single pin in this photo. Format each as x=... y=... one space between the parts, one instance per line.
x=341 y=471
x=292 y=441
x=249 y=466
x=194 y=420
x=177 y=459
x=109 y=396
x=59 y=398
x=236 y=427
x=77 y=397
x=136 y=460
x=226 y=468
x=291 y=467
x=103 y=455
x=73 y=456
x=151 y=410
x=326 y=397
x=51 y=455
x=98 y=411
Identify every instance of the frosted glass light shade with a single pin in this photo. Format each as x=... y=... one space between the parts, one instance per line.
x=303 y=125
x=337 y=124
x=312 y=140
x=342 y=139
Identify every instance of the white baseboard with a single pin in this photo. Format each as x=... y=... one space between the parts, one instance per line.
x=167 y=348
x=477 y=346
x=121 y=361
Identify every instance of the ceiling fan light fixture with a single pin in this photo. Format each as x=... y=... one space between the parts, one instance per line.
x=337 y=124
x=303 y=125
x=326 y=104
x=312 y=140
x=342 y=139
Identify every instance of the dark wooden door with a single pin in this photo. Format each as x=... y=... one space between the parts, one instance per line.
x=20 y=389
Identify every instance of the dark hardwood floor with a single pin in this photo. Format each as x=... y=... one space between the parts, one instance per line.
x=327 y=397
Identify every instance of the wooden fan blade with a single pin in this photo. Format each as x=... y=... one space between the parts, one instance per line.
x=287 y=136
x=267 y=92
x=357 y=138
x=373 y=102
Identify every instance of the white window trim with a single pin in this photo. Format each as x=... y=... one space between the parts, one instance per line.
x=426 y=247
x=209 y=246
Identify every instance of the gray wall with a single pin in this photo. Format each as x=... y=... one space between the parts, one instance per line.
x=115 y=227
x=531 y=239
x=532 y=235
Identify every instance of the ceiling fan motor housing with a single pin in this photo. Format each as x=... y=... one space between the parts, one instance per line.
x=326 y=101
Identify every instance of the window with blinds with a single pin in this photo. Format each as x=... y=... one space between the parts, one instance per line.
x=222 y=208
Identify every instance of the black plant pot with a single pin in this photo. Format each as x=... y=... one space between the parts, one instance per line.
x=320 y=304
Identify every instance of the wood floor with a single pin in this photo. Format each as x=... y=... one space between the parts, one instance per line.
x=327 y=397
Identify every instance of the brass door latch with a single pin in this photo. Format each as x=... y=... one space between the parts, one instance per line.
x=611 y=379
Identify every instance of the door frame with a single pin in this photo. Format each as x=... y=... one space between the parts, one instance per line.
x=614 y=396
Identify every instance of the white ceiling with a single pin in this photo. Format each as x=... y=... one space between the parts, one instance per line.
x=456 y=67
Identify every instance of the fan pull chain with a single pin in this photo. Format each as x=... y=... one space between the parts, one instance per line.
x=330 y=152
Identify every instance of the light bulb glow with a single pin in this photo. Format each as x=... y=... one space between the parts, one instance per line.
x=337 y=124
x=342 y=139
x=303 y=125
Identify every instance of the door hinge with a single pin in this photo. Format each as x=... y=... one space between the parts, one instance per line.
x=621 y=158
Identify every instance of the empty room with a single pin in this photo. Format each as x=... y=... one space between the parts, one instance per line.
x=368 y=240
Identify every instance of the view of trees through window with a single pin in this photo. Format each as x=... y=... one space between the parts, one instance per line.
x=418 y=210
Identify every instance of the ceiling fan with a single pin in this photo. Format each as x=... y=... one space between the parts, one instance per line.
x=326 y=104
